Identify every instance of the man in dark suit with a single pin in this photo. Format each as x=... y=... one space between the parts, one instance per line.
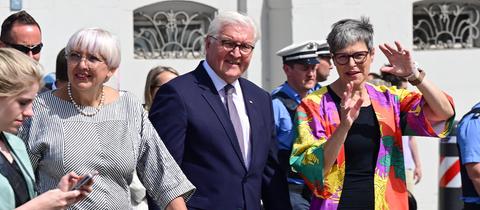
x=224 y=142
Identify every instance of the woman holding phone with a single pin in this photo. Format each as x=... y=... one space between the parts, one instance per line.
x=19 y=83
x=88 y=126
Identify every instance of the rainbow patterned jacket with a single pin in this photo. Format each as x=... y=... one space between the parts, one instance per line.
x=399 y=112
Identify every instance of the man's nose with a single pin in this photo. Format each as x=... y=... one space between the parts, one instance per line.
x=236 y=51
x=30 y=54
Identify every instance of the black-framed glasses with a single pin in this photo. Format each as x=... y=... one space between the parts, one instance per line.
x=358 y=57
x=230 y=45
x=25 y=48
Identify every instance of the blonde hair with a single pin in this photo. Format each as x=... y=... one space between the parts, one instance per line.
x=18 y=72
x=152 y=82
x=96 y=41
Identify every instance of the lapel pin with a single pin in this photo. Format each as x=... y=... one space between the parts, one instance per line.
x=249 y=101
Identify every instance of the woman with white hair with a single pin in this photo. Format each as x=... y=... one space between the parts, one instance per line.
x=19 y=82
x=88 y=126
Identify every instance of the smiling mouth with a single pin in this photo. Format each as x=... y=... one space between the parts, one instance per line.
x=82 y=76
x=233 y=62
x=351 y=73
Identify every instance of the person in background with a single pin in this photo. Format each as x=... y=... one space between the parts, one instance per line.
x=299 y=65
x=376 y=79
x=348 y=147
x=59 y=79
x=61 y=69
x=20 y=78
x=21 y=32
x=156 y=77
x=413 y=166
x=468 y=140
x=372 y=75
x=325 y=63
x=88 y=126
x=219 y=126
x=47 y=80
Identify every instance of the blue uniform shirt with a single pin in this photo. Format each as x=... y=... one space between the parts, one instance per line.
x=283 y=123
x=468 y=140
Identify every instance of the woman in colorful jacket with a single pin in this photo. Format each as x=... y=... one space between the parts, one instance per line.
x=349 y=144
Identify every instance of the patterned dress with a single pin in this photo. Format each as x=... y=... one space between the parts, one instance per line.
x=114 y=142
x=399 y=112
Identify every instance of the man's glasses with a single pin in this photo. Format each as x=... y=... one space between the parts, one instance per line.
x=26 y=49
x=230 y=45
x=344 y=58
x=92 y=60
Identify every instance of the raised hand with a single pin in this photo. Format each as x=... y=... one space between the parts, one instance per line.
x=350 y=105
x=401 y=61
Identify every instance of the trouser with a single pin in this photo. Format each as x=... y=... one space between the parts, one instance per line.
x=299 y=197
x=471 y=206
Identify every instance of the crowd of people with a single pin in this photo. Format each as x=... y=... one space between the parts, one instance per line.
x=211 y=139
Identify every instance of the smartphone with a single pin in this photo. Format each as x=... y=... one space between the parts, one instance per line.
x=85 y=180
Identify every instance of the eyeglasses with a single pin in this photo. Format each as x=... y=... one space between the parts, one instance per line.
x=230 y=45
x=26 y=49
x=358 y=57
x=92 y=60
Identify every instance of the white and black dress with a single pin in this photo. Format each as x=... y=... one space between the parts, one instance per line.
x=114 y=142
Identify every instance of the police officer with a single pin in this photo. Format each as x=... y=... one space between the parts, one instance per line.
x=325 y=62
x=299 y=64
x=468 y=140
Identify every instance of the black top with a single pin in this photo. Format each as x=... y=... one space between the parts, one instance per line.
x=361 y=150
x=14 y=175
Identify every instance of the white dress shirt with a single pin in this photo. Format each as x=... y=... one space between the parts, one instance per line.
x=239 y=104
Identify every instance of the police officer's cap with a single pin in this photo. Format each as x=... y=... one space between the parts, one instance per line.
x=322 y=48
x=303 y=53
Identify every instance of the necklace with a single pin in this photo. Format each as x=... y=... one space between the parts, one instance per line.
x=80 y=109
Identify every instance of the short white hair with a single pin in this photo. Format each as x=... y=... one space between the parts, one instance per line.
x=96 y=41
x=234 y=18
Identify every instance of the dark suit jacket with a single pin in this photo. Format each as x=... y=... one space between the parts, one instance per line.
x=194 y=125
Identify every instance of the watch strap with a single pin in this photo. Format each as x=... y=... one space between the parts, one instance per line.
x=417 y=80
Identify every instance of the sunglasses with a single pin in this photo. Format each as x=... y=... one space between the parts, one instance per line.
x=26 y=49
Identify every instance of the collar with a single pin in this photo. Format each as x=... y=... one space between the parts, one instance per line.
x=217 y=81
x=286 y=88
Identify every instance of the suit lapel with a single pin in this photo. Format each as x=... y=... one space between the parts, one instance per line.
x=211 y=96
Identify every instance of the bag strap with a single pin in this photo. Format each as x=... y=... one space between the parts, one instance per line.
x=288 y=102
x=474 y=111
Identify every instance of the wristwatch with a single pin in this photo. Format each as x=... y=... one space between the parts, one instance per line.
x=415 y=80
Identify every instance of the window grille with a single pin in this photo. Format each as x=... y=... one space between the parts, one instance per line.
x=171 y=30
x=445 y=26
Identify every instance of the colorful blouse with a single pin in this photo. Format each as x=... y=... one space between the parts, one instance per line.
x=399 y=112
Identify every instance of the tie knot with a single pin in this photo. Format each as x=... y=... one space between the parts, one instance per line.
x=228 y=89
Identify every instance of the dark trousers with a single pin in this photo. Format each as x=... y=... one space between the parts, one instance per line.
x=471 y=206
